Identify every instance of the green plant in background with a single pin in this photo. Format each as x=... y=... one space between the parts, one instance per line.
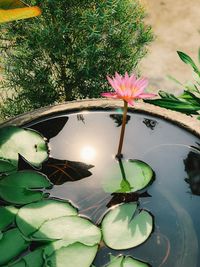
x=66 y=53
x=189 y=101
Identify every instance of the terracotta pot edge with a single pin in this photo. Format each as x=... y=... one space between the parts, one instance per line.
x=182 y=120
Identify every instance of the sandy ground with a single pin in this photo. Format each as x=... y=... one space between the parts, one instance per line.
x=176 y=24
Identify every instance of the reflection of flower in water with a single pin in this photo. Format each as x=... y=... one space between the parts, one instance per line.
x=192 y=167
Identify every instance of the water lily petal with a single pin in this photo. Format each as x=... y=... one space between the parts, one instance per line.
x=111 y=95
x=128 y=88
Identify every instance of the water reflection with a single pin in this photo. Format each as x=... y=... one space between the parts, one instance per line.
x=51 y=127
x=118 y=119
x=150 y=123
x=88 y=153
x=192 y=167
x=60 y=171
x=176 y=235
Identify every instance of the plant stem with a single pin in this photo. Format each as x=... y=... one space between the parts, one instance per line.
x=119 y=154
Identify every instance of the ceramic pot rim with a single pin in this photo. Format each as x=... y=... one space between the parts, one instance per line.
x=182 y=120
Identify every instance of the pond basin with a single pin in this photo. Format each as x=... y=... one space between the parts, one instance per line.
x=173 y=198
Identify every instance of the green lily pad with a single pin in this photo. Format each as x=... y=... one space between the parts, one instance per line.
x=20 y=187
x=6 y=166
x=11 y=245
x=77 y=255
x=69 y=229
x=127 y=176
x=31 y=217
x=130 y=262
x=73 y=255
x=122 y=228
x=7 y=216
x=28 y=143
x=116 y=262
x=33 y=259
x=123 y=261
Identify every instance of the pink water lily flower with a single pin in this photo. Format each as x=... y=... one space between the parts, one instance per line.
x=128 y=88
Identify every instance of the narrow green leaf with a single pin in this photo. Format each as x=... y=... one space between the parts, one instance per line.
x=188 y=60
x=174 y=80
x=176 y=105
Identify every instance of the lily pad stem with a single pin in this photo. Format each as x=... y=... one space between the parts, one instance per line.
x=119 y=154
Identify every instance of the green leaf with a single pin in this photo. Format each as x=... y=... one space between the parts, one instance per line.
x=165 y=95
x=176 y=105
x=190 y=97
x=188 y=60
x=28 y=143
x=69 y=229
x=7 y=216
x=33 y=259
x=123 y=261
x=31 y=217
x=77 y=255
x=127 y=176
x=174 y=80
x=6 y=166
x=130 y=262
x=11 y=245
x=199 y=55
x=116 y=262
x=23 y=187
x=122 y=228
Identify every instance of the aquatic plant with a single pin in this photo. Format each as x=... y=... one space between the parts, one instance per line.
x=129 y=89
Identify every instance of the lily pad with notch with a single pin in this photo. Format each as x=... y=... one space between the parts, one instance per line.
x=127 y=176
x=125 y=226
x=28 y=143
x=23 y=187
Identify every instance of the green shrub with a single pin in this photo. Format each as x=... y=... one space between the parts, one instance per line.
x=67 y=52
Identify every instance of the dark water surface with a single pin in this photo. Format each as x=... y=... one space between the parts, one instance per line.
x=92 y=138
